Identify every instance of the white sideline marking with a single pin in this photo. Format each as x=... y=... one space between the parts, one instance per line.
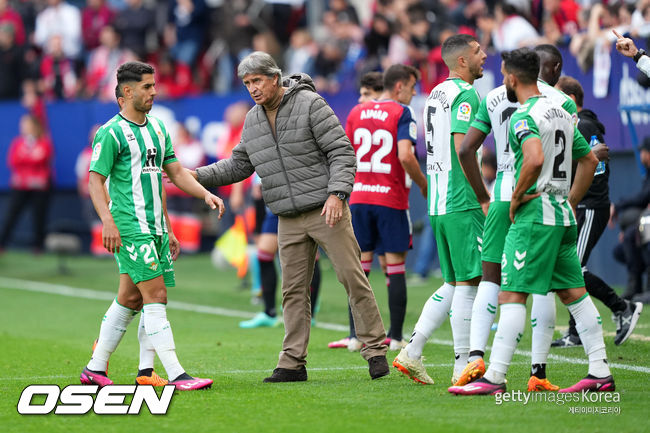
x=58 y=289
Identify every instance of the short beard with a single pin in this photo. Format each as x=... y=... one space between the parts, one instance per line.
x=512 y=96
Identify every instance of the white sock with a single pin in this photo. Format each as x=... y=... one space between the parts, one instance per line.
x=434 y=312
x=159 y=332
x=114 y=324
x=147 y=351
x=509 y=332
x=590 y=329
x=460 y=318
x=542 y=322
x=484 y=311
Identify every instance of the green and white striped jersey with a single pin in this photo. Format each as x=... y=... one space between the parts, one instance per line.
x=132 y=157
x=494 y=114
x=449 y=109
x=560 y=98
x=561 y=142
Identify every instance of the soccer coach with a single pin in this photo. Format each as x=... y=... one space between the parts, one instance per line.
x=297 y=146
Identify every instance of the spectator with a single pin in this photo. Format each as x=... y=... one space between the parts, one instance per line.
x=173 y=79
x=300 y=55
x=30 y=164
x=10 y=16
x=377 y=40
x=508 y=29
x=63 y=19
x=11 y=64
x=101 y=72
x=134 y=24
x=189 y=152
x=185 y=29
x=58 y=75
x=94 y=17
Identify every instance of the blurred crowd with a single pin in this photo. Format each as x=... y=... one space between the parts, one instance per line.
x=71 y=49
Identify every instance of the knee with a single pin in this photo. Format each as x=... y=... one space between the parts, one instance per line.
x=132 y=301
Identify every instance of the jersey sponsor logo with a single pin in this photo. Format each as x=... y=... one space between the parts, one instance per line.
x=413 y=131
x=374 y=114
x=78 y=400
x=382 y=189
x=97 y=150
x=464 y=112
x=150 y=161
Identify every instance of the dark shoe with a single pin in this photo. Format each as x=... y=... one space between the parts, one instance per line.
x=378 y=367
x=287 y=375
x=568 y=340
x=626 y=321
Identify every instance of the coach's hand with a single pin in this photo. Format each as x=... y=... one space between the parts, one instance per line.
x=111 y=238
x=515 y=202
x=333 y=210
x=215 y=202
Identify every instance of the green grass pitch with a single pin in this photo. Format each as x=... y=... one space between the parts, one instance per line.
x=46 y=331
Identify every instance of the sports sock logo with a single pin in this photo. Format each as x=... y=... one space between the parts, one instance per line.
x=78 y=400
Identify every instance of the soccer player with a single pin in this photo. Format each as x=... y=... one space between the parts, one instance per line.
x=132 y=148
x=540 y=249
x=456 y=215
x=494 y=113
x=592 y=215
x=383 y=133
x=371 y=86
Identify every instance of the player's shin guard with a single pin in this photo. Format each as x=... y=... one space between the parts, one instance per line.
x=509 y=332
x=114 y=324
x=160 y=334
x=590 y=329
x=435 y=311
x=484 y=311
x=461 y=319
x=542 y=322
x=396 y=299
x=147 y=351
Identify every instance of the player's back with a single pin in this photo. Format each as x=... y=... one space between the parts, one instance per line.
x=554 y=126
x=494 y=113
x=560 y=98
x=449 y=109
x=132 y=156
x=374 y=128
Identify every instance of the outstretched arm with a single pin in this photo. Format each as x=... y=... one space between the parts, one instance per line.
x=185 y=181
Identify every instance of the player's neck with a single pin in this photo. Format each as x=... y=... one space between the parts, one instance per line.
x=463 y=75
x=524 y=92
x=133 y=115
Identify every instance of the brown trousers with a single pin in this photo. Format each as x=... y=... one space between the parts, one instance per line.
x=298 y=240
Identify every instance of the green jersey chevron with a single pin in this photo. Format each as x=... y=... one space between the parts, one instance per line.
x=541 y=118
x=131 y=156
x=449 y=109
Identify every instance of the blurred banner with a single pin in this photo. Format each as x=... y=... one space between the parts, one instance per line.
x=71 y=122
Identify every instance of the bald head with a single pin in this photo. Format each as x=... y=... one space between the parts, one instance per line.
x=550 y=63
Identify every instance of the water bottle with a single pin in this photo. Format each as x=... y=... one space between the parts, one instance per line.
x=600 y=168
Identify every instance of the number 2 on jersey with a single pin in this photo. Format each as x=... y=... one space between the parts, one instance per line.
x=365 y=140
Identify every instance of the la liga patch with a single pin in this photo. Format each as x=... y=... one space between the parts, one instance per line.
x=96 y=151
x=464 y=112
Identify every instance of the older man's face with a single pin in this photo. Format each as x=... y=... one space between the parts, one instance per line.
x=262 y=88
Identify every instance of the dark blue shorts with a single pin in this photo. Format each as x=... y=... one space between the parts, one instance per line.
x=381 y=229
x=270 y=223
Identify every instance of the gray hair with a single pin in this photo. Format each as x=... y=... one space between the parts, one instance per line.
x=258 y=62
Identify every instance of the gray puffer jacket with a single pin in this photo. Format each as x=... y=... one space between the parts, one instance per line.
x=311 y=158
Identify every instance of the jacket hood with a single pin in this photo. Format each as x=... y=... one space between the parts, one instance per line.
x=296 y=82
x=592 y=117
